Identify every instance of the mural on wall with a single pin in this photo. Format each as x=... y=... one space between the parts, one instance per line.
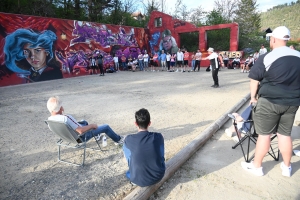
x=34 y=49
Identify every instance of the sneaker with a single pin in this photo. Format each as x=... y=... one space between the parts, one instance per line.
x=228 y=132
x=286 y=171
x=121 y=141
x=235 y=139
x=213 y=86
x=216 y=86
x=176 y=70
x=250 y=168
x=99 y=136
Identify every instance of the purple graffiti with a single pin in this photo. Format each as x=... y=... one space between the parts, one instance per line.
x=86 y=32
x=154 y=41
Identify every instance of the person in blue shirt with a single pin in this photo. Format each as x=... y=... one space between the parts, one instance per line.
x=144 y=153
x=163 y=60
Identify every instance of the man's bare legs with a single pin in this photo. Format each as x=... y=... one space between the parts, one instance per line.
x=261 y=149
x=286 y=147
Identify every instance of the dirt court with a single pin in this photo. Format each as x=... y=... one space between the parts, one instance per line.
x=181 y=105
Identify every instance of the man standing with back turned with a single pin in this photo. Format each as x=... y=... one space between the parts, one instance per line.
x=144 y=153
x=277 y=75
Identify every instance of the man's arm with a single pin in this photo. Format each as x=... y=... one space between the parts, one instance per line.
x=253 y=90
x=82 y=129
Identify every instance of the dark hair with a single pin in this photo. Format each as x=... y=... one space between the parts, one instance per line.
x=142 y=118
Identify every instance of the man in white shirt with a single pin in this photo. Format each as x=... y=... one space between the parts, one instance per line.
x=146 y=60
x=236 y=61
x=116 y=61
x=262 y=50
x=214 y=59
x=179 y=57
x=86 y=131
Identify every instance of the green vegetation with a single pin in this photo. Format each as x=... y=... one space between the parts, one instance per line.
x=283 y=15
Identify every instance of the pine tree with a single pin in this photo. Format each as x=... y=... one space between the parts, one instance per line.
x=248 y=17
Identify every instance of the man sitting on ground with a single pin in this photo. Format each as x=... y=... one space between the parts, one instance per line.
x=86 y=131
x=144 y=153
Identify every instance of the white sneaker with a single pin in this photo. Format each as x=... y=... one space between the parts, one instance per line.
x=228 y=132
x=235 y=139
x=250 y=168
x=286 y=171
x=176 y=70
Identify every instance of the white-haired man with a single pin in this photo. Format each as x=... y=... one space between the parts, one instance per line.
x=214 y=59
x=86 y=131
x=277 y=75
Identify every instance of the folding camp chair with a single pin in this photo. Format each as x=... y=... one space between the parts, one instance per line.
x=68 y=138
x=250 y=134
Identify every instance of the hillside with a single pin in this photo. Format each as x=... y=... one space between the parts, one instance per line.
x=287 y=15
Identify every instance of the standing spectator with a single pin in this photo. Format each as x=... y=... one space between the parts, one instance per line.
x=144 y=153
x=255 y=56
x=163 y=59
x=146 y=60
x=198 y=57
x=172 y=62
x=151 y=62
x=214 y=63
x=123 y=60
x=179 y=58
x=116 y=61
x=168 y=58
x=155 y=61
x=186 y=56
x=141 y=61
x=262 y=50
x=193 y=57
x=277 y=75
x=100 y=64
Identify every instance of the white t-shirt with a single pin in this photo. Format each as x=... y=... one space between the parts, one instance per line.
x=146 y=56
x=67 y=119
x=116 y=59
x=168 y=57
x=198 y=55
x=179 y=56
x=262 y=51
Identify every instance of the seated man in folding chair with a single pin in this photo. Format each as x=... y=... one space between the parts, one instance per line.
x=242 y=127
x=86 y=131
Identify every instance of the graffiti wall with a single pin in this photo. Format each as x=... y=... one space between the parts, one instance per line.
x=34 y=49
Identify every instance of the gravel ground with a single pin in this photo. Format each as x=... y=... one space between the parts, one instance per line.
x=181 y=105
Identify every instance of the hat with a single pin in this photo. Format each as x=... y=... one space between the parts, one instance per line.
x=166 y=32
x=210 y=49
x=281 y=32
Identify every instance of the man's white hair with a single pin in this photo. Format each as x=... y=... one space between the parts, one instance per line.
x=54 y=104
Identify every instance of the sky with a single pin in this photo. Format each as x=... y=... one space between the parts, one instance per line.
x=208 y=5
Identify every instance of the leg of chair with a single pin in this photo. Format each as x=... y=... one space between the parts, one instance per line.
x=83 y=159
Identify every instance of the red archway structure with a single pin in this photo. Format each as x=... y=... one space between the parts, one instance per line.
x=160 y=22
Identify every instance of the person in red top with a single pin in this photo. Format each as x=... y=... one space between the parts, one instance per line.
x=123 y=59
x=186 y=56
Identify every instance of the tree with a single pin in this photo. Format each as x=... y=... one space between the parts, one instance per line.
x=181 y=11
x=226 y=8
x=218 y=39
x=197 y=16
x=248 y=17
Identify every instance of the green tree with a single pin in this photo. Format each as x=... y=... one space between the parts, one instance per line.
x=218 y=39
x=247 y=17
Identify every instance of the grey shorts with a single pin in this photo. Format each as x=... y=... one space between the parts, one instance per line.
x=273 y=118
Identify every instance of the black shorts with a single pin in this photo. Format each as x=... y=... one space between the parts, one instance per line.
x=186 y=62
x=179 y=62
